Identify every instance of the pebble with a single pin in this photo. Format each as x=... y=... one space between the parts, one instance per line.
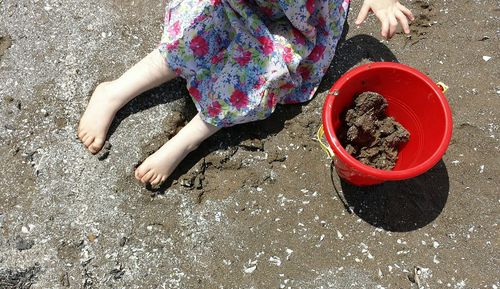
x=8 y=98
x=65 y=280
x=275 y=260
x=435 y=260
x=9 y=127
x=250 y=269
x=91 y=237
x=22 y=244
x=122 y=241
x=289 y=253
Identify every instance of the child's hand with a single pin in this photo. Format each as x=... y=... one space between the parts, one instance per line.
x=389 y=12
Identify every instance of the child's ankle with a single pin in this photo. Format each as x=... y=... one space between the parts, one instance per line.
x=186 y=141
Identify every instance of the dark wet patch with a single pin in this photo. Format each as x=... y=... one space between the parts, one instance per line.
x=18 y=278
x=104 y=152
x=5 y=44
x=24 y=244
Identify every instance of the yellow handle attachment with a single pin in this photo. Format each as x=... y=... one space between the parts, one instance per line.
x=320 y=137
x=443 y=86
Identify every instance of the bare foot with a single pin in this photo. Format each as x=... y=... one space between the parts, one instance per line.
x=109 y=97
x=158 y=166
x=97 y=118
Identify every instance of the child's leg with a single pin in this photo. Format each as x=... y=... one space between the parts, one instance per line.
x=109 y=97
x=156 y=168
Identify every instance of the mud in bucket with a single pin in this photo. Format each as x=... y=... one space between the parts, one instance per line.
x=414 y=100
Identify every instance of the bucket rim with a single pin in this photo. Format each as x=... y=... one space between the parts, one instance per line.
x=350 y=161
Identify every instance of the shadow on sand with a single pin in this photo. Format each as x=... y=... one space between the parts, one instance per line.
x=401 y=206
x=353 y=51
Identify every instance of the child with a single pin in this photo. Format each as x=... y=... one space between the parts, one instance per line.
x=240 y=58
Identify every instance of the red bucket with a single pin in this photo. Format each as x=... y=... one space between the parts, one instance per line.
x=414 y=100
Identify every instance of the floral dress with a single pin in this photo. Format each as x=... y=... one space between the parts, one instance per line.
x=242 y=57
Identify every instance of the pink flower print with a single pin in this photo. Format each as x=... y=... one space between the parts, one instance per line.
x=195 y=93
x=299 y=37
x=267 y=11
x=260 y=82
x=214 y=109
x=199 y=46
x=271 y=100
x=217 y=57
x=322 y=21
x=175 y=28
x=344 y=6
x=287 y=85
x=200 y=18
x=267 y=44
x=239 y=99
x=304 y=72
x=243 y=58
x=172 y=45
x=215 y=2
x=311 y=6
x=287 y=54
x=316 y=53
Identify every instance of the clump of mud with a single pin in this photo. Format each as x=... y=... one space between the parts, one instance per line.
x=369 y=135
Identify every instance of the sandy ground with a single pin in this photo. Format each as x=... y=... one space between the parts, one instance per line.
x=254 y=207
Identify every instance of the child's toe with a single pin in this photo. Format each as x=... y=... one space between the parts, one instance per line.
x=88 y=141
x=84 y=137
x=156 y=181
x=81 y=134
x=140 y=172
x=147 y=177
x=96 y=145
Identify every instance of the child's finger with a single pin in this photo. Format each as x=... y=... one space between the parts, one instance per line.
x=363 y=13
x=385 y=26
x=393 y=24
x=406 y=12
x=404 y=21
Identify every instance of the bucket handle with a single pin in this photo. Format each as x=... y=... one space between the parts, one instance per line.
x=444 y=87
x=326 y=148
